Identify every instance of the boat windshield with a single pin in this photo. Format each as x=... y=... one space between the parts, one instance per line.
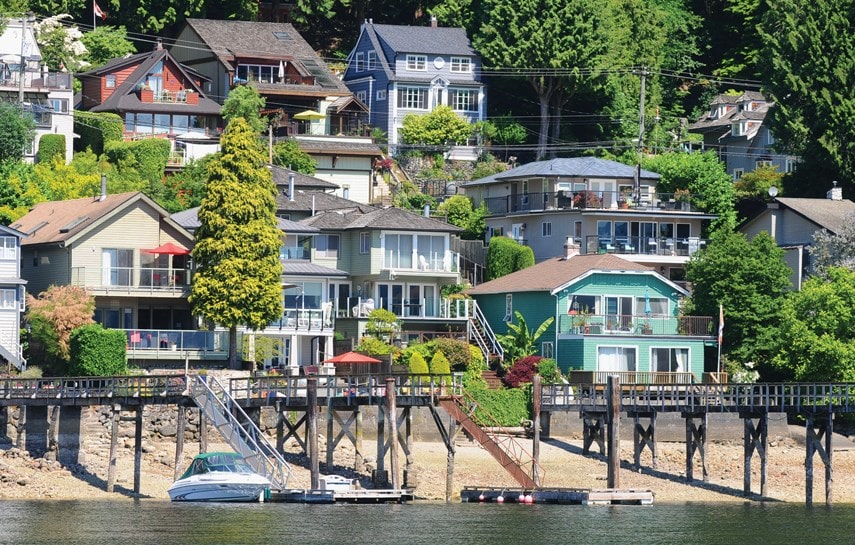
x=217 y=461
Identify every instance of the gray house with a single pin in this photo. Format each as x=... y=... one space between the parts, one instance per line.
x=397 y=70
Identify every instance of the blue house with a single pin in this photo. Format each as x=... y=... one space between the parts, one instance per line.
x=612 y=316
x=398 y=70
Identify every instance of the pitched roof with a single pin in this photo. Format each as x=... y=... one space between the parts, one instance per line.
x=125 y=98
x=710 y=120
x=228 y=39
x=318 y=201
x=281 y=177
x=335 y=144
x=62 y=221
x=379 y=218
x=425 y=39
x=553 y=273
x=827 y=213
x=587 y=167
x=189 y=219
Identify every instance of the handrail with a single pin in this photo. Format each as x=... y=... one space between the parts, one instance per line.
x=488 y=331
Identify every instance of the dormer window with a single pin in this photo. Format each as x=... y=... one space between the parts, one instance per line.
x=417 y=62
x=461 y=65
x=110 y=81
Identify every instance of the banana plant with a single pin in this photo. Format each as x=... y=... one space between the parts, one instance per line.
x=520 y=342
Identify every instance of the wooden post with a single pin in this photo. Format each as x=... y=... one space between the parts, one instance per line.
x=53 y=433
x=535 y=419
x=449 y=461
x=280 y=428
x=410 y=480
x=818 y=440
x=391 y=405
x=829 y=432
x=138 y=425
x=114 y=444
x=203 y=432
x=358 y=460
x=755 y=438
x=644 y=437
x=613 y=396
x=696 y=438
x=380 y=472
x=21 y=439
x=330 y=441
x=179 y=441
x=312 y=430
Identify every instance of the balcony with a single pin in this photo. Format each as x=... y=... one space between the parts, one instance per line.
x=413 y=262
x=172 y=344
x=653 y=246
x=429 y=308
x=132 y=280
x=291 y=253
x=10 y=77
x=590 y=200
x=635 y=325
x=184 y=96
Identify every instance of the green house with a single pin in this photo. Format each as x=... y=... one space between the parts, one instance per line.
x=611 y=316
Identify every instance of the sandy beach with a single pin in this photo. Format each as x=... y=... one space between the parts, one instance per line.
x=562 y=463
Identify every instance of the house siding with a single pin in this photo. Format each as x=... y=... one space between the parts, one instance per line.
x=581 y=355
x=43 y=266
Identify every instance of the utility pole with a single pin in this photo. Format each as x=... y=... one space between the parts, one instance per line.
x=637 y=180
x=22 y=66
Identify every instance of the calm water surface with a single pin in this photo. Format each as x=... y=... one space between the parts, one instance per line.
x=156 y=522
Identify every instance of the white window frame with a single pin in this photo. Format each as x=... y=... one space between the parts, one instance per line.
x=547 y=349
x=9 y=299
x=362 y=96
x=762 y=163
x=671 y=358
x=737 y=173
x=462 y=65
x=371 y=60
x=359 y=62
x=323 y=249
x=413 y=98
x=509 y=308
x=110 y=81
x=463 y=100
x=546 y=229
x=364 y=242
x=417 y=63
x=620 y=351
x=9 y=248
x=381 y=94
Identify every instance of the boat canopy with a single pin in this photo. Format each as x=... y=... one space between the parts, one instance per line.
x=229 y=462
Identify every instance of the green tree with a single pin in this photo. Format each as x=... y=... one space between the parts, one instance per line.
x=96 y=351
x=289 y=155
x=438 y=129
x=185 y=188
x=809 y=71
x=520 y=341
x=816 y=342
x=703 y=175
x=755 y=185
x=237 y=279
x=439 y=364
x=244 y=101
x=52 y=316
x=505 y=255
x=60 y=45
x=418 y=365
x=105 y=43
x=16 y=132
x=382 y=324
x=458 y=210
x=750 y=280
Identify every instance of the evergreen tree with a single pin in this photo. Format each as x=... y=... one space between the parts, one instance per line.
x=237 y=279
x=244 y=101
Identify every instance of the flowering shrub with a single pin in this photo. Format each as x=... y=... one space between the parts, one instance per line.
x=522 y=371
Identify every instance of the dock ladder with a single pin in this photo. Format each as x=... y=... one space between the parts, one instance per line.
x=238 y=430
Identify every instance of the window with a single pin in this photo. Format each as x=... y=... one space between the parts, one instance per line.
x=117 y=266
x=790 y=165
x=463 y=100
x=669 y=360
x=461 y=64
x=497 y=231
x=762 y=163
x=381 y=94
x=364 y=242
x=8 y=248
x=359 y=62
x=509 y=307
x=616 y=358
x=577 y=231
x=110 y=81
x=417 y=62
x=59 y=105
x=8 y=299
x=326 y=246
x=658 y=306
x=736 y=129
x=345 y=192
x=372 y=60
x=413 y=98
x=362 y=96
x=257 y=72
x=737 y=173
x=547 y=350
x=546 y=229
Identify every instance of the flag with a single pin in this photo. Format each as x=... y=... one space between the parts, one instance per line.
x=720 y=323
x=98 y=11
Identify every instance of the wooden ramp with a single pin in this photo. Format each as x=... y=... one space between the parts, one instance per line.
x=505 y=449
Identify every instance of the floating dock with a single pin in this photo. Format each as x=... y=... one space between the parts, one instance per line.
x=299 y=495
x=563 y=496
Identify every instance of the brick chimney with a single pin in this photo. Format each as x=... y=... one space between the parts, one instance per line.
x=433 y=21
x=570 y=248
x=835 y=193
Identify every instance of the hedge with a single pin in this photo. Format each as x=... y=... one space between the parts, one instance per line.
x=51 y=145
x=507 y=407
x=96 y=351
x=95 y=129
x=147 y=156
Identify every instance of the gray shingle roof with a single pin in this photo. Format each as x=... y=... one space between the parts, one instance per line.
x=189 y=219
x=301 y=181
x=420 y=39
x=319 y=201
x=384 y=218
x=588 y=167
x=335 y=144
x=827 y=213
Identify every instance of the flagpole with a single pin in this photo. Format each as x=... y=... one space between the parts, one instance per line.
x=94 y=17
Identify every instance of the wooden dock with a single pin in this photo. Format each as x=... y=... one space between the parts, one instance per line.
x=300 y=495
x=561 y=496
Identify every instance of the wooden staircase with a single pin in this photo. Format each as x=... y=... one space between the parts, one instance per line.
x=482 y=334
x=505 y=449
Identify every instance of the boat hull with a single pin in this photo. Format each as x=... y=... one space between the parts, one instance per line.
x=227 y=487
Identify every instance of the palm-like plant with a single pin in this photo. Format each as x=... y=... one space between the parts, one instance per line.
x=520 y=342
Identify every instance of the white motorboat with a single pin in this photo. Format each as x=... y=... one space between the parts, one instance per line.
x=219 y=476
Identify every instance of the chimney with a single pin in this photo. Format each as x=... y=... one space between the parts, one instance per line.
x=159 y=45
x=103 y=188
x=426 y=211
x=291 y=187
x=433 y=21
x=570 y=248
x=835 y=193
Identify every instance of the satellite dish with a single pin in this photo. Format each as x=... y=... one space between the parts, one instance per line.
x=773 y=191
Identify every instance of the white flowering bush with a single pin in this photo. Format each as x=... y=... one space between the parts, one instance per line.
x=60 y=45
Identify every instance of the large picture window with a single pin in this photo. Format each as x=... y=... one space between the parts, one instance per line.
x=616 y=358
x=413 y=98
x=327 y=246
x=256 y=72
x=463 y=100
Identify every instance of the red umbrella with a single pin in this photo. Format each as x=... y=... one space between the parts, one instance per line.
x=168 y=248
x=352 y=357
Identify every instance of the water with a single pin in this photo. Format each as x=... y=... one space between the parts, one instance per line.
x=161 y=522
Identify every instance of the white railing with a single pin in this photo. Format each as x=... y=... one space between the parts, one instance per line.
x=446 y=262
x=128 y=279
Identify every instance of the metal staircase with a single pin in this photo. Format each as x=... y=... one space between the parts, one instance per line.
x=481 y=332
x=238 y=430
x=485 y=430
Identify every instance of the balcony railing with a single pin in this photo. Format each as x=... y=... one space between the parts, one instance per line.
x=287 y=253
x=35 y=80
x=590 y=200
x=644 y=245
x=633 y=325
x=131 y=279
x=441 y=308
x=305 y=319
x=176 y=344
x=446 y=262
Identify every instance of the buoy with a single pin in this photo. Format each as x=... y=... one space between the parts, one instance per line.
x=481 y=497
x=529 y=499
x=521 y=498
x=500 y=499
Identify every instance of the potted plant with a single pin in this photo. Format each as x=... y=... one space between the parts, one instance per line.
x=681 y=196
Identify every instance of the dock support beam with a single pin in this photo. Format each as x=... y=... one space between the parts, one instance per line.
x=696 y=438
x=593 y=430
x=380 y=478
x=114 y=445
x=391 y=407
x=52 y=442
x=312 y=402
x=181 y=424
x=448 y=437
x=819 y=429
x=535 y=418
x=613 y=397
x=138 y=426
x=756 y=438
x=203 y=432
x=644 y=437
x=21 y=435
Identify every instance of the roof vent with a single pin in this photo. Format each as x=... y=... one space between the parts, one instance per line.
x=835 y=193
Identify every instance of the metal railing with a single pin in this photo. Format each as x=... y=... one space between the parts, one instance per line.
x=132 y=279
x=592 y=200
x=644 y=245
x=407 y=262
x=623 y=324
x=176 y=343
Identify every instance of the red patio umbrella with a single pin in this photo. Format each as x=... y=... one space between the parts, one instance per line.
x=168 y=248
x=352 y=357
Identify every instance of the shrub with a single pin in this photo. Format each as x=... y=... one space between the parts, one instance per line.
x=549 y=371
x=95 y=129
x=472 y=378
x=521 y=371
x=50 y=146
x=373 y=346
x=455 y=350
x=53 y=315
x=506 y=407
x=505 y=255
x=418 y=365
x=96 y=351
x=148 y=157
x=439 y=364
x=421 y=348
